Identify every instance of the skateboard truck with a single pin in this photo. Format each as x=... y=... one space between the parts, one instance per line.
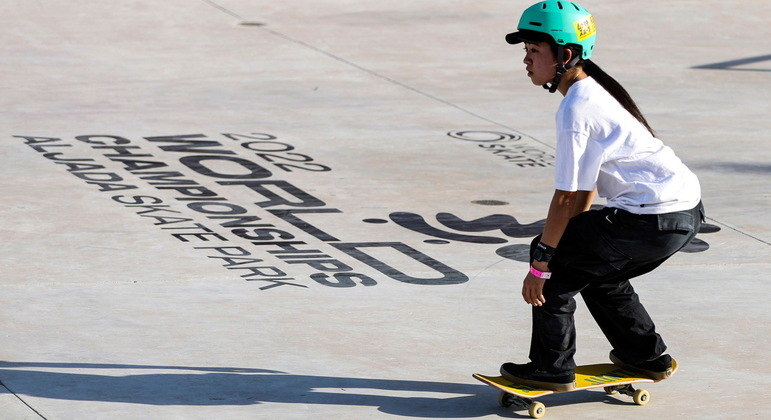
x=534 y=408
x=639 y=396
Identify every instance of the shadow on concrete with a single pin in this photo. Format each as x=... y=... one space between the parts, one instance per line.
x=743 y=168
x=732 y=64
x=212 y=386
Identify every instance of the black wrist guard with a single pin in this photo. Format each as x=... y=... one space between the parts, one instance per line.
x=543 y=252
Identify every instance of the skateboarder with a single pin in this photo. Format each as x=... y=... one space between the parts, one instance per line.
x=604 y=146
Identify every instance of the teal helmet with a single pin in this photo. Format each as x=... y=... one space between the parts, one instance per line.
x=557 y=21
x=561 y=23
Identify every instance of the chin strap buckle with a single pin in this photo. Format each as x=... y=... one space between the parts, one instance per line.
x=554 y=83
x=561 y=69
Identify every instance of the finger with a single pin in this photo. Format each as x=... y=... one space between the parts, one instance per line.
x=527 y=291
x=537 y=290
x=530 y=299
x=533 y=294
x=539 y=297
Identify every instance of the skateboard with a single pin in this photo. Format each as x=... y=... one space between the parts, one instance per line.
x=614 y=379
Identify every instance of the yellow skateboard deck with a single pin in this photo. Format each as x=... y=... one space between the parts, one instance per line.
x=609 y=376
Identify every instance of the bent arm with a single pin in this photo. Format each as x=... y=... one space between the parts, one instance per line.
x=564 y=205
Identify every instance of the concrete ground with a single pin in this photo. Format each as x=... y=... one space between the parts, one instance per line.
x=253 y=209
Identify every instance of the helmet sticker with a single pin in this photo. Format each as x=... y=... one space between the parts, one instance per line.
x=585 y=27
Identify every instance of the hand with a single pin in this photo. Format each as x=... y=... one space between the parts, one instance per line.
x=532 y=286
x=532 y=290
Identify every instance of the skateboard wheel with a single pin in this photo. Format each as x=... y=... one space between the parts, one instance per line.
x=641 y=397
x=610 y=390
x=504 y=399
x=537 y=410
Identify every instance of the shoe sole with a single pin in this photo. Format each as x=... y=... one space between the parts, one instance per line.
x=552 y=386
x=656 y=376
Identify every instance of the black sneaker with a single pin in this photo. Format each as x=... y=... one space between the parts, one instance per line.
x=527 y=374
x=660 y=368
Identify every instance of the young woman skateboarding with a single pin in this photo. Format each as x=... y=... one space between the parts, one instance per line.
x=604 y=146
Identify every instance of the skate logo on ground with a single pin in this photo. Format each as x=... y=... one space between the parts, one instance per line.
x=509 y=147
x=233 y=208
x=197 y=198
x=454 y=229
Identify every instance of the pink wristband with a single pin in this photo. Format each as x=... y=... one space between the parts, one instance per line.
x=540 y=274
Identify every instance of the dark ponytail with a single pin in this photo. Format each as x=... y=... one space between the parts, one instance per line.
x=616 y=90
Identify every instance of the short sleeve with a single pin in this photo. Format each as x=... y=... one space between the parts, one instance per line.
x=578 y=162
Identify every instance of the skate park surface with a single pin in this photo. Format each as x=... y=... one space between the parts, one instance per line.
x=322 y=209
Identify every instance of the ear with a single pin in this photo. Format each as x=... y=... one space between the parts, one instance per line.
x=568 y=55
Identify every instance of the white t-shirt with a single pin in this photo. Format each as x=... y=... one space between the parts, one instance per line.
x=600 y=144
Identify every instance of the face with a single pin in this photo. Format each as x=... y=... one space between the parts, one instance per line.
x=540 y=63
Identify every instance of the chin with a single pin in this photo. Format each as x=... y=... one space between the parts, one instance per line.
x=533 y=80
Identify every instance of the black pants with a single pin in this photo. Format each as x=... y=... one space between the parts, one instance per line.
x=597 y=255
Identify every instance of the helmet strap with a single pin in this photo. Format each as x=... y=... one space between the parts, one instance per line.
x=561 y=68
